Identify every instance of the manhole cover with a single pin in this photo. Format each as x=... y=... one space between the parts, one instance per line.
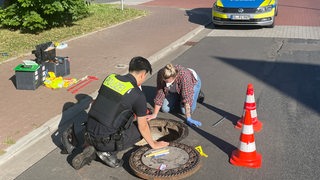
x=166 y=130
x=176 y=161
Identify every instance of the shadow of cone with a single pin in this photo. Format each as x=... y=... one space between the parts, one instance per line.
x=246 y=155
x=250 y=105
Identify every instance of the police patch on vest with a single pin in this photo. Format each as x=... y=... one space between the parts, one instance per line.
x=116 y=85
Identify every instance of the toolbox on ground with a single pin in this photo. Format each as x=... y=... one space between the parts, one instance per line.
x=60 y=66
x=46 y=55
x=29 y=77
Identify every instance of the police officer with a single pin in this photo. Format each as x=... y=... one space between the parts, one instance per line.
x=110 y=127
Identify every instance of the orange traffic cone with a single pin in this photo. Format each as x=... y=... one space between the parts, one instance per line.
x=250 y=105
x=246 y=154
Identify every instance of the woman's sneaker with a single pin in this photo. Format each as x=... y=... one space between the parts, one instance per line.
x=84 y=158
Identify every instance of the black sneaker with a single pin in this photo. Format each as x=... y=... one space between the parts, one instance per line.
x=200 y=97
x=110 y=159
x=88 y=154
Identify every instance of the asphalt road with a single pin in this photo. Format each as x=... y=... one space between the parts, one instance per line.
x=285 y=74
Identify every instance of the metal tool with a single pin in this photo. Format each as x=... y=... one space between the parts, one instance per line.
x=220 y=120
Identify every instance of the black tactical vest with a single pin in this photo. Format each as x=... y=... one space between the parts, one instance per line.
x=108 y=109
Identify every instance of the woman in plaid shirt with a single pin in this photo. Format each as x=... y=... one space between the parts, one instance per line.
x=177 y=86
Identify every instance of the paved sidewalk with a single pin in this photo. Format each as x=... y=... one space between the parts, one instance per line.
x=31 y=114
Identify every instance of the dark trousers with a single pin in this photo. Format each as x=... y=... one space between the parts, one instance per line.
x=130 y=137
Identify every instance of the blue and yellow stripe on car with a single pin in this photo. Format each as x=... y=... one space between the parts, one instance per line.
x=244 y=3
x=254 y=10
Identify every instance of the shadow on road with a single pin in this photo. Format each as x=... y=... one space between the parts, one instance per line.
x=231 y=117
x=201 y=16
x=221 y=144
x=73 y=113
x=296 y=80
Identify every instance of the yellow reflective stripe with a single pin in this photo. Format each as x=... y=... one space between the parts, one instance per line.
x=220 y=15
x=267 y=2
x=115 y=84
x=264 y=3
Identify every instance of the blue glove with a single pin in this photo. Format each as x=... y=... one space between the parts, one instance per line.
x=192 y=122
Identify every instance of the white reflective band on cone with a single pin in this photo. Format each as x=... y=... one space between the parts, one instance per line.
x=250 y=147
x=247 y=129
x=253 y=113
x=250 y=99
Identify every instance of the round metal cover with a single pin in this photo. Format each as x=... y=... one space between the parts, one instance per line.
x=176 y=162
x=166 y=130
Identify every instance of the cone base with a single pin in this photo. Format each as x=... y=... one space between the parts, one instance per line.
x=257 y=125
x=252 y=162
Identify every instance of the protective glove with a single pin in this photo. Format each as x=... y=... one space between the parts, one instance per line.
x=192 y=122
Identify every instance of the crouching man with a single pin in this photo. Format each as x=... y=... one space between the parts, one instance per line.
x=110 y=127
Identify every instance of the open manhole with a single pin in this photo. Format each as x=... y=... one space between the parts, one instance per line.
x=166 y=130
x=176 y=161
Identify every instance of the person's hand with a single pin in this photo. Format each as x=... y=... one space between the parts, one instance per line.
x=192 y=122
x=159 y=144
x=151 y=116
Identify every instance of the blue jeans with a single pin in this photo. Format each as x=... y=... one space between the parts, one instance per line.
x=172 y=100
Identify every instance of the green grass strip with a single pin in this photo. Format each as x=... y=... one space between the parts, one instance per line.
x=16 y=44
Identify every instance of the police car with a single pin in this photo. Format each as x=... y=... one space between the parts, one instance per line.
x=245 y=12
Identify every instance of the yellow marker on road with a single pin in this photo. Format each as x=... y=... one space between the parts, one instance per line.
x=199 y=149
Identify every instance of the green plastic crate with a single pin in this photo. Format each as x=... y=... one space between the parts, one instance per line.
x=28 y=77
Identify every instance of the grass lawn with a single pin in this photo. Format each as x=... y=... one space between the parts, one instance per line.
x=15 y=44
